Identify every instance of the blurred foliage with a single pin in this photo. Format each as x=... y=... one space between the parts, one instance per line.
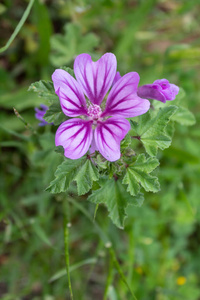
x=159 y=249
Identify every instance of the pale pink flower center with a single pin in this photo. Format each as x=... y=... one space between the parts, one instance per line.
x=94 y=111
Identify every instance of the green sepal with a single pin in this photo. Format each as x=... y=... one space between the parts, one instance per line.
x=125 y=142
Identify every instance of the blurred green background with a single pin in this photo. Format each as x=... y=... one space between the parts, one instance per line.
x=159 y=250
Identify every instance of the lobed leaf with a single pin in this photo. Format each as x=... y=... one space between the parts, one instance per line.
x=114 y=195
x=153 y=132
x=45 y=90
x=65 y=47
x=55 y=114
x=184 y=117
x=137 y=174
x=80 y=170
x=85 y=177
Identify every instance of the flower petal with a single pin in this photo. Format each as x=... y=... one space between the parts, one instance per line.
x=93 y=146
x=171 y=93
x=108 y=136
x=123 y=100
x=75 y=135
x=95 y=77
x=160 y=90
x=151 y=91
x=117 y=77
x=40 y=112
x=70 y=93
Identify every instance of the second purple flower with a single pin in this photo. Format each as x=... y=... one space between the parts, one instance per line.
x=97 y=129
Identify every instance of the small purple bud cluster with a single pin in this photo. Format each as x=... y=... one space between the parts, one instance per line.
x=160 y=90
x=40 y=112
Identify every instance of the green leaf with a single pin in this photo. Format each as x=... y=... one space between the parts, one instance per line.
x=85 y=177
x=114 y=195
x=80 y=170
x=65 y=47
x=136 y=200
x=54 y=114
x=19 y=99
x=40 y=232
x=68 y=70
x=152 y=131
x=184 y=117
x=45 y=90
x=64 y=175
x=63 y=271
x=43 y=20
x=138 y=174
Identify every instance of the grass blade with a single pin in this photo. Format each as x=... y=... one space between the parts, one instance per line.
x=18 y=27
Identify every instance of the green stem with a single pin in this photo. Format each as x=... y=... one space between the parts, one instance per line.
x=95 y=212
x=117 y=266
x=67 y=225
x=27 y=125
x=19 y=26
x=131 y=255
x=100 y=232
x=109 y=277
x=106 y=241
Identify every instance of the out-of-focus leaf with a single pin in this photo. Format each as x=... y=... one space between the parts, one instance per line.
x=20 y=99
x=45 y=30
x=73 y=267
x=65 y=47
x=184 y=117
x=40 y=232
x=2 y=8
x=16 y=134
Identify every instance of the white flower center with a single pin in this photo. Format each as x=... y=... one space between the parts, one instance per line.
x=94 y=111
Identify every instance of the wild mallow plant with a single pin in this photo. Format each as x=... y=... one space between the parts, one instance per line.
x=109 y=131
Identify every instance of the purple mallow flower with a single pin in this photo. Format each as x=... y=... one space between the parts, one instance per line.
x=160 y=90
x=40 y=112
x=97 y=129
